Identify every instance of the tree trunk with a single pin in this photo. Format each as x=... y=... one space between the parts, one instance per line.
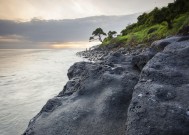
x=100 y=38
x=169 y=23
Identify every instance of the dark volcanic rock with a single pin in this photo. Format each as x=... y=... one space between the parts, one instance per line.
x=140 y=91
x=160 y=102
x=94 y=54
x=98 y=106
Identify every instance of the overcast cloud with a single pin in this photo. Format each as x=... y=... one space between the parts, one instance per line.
x=58 y=31
x=36 y=23
x=69 y=9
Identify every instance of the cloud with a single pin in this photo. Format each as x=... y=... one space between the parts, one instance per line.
x=60 y=31
x=62 y=9
x=11 y=38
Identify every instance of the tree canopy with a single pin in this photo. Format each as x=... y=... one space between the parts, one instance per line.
x=97 y=35
x=111 y=34
x=159 y=15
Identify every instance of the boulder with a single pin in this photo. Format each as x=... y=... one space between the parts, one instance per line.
x=160 y=104
x=97 y=105
x=141 y=91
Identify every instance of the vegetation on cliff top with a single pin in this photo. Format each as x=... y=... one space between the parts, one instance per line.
x=157 y=24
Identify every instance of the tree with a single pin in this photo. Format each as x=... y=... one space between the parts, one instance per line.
x=97 y=33
x=111 y=34
x=181 y=6
x=164 y=14
x=142 y=18
x=128 y=29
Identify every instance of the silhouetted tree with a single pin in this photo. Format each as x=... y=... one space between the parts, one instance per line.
x=97 y=33
x=111 y=34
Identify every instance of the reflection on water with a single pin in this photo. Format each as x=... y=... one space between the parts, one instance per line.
x=28 y=78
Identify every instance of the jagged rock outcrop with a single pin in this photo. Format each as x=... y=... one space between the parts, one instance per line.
x=93 y=102
x=143 y=91
x=160 y=104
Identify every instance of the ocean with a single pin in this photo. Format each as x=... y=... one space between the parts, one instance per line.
x=28 y=78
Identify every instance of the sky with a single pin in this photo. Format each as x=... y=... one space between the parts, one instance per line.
x=69 y=9
x=37 y=33
x=65 y=21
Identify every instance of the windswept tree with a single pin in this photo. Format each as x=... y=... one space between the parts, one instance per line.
x=97 y=35
x=111 y=34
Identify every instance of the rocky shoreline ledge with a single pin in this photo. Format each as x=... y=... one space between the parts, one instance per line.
x=140 y=91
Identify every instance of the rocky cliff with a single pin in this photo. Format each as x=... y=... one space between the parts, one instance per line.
x=141 y=91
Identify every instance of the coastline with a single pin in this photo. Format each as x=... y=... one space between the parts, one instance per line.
x=125 y=91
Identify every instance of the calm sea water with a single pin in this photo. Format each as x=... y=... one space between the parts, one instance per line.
x=28 y=78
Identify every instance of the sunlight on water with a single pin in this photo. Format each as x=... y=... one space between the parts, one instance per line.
x=28 y=78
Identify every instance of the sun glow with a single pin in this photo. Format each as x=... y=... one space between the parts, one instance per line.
x=73 y=45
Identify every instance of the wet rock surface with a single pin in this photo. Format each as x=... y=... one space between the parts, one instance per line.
x=141 y=91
